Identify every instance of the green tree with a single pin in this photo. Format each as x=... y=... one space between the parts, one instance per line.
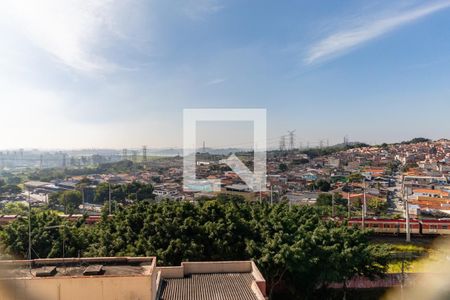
x=14 y=180
x=346 y=252
x=355 y=177
x=70 y=200
x=14 y=208
x=324 y=199
x=48 y=232
x=10 y=189
x=283 y=167
x=295 y=245
x=323 y=185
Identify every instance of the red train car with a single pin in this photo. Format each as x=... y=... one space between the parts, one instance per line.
x=393 y=226
x=396 y=226
x=440 y=226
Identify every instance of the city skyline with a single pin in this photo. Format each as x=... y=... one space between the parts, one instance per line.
x=112 y=74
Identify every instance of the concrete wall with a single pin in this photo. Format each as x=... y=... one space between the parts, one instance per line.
x=107 y=287
x=206 y=268
x=75 y=288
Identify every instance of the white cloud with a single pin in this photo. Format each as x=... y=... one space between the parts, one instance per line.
x=216 y=81
x=197 y=9
x=68 y=30
x=344 y=40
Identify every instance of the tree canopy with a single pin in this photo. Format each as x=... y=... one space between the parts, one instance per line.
x=295 y=245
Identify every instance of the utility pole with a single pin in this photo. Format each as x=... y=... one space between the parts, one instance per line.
x=363 y=213
x=408 y=229
x=271 y=194
x=109 y=196
x=82 y=198
x=65 y=204
x=63 y=237
x=260 y=192
x=332 y=205
x=348 y=205
x=29 y=228
x=405 y=202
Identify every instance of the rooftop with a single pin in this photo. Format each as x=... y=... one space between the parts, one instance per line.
x=219 y=286
x=227 y=280
x=77 y=267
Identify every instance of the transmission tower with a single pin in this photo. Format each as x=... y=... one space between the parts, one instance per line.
x=346 y=140
x=282 y=143
x=144 y=153
x=124 y=154
x=134 y=156
x=291 y=139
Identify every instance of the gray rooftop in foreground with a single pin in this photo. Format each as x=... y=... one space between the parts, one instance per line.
x=216 y=286
x=76 y=267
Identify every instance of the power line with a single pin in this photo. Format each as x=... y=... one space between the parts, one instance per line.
x=144 y=153
x=283 y=143
x=291 y=139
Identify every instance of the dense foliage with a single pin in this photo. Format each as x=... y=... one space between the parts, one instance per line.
x=291 y=245
x=70 y=200
x=48 y=174
x=316 y=152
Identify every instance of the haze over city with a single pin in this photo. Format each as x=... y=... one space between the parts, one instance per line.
x=114 y=74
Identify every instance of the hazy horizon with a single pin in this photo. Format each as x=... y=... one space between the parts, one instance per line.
x=198 y=149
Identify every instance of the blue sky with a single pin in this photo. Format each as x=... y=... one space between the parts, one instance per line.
x=105 y=73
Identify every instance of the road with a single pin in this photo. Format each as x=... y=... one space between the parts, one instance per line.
x=396 y=198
